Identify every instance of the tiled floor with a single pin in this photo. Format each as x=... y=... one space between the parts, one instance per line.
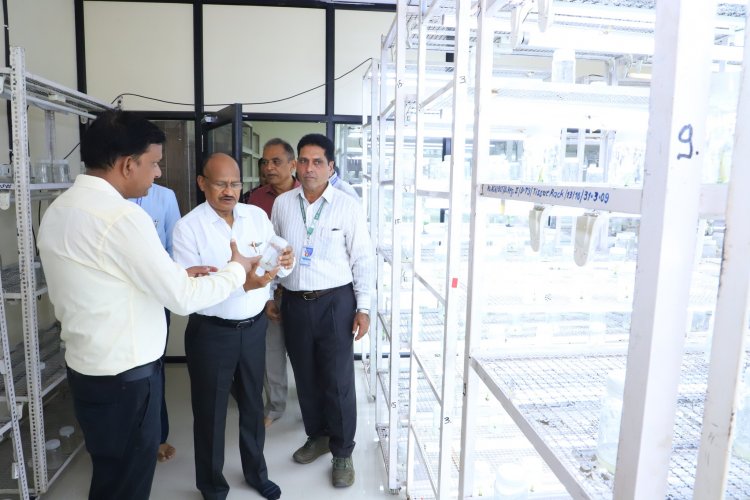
x=176 y=479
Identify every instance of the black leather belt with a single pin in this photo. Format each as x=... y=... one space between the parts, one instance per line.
x=137 y=373
x=231 y=323
x=315 y=294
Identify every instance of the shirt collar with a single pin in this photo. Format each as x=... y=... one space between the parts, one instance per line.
x=328 y=193
x=269 y=190
x=98 y=183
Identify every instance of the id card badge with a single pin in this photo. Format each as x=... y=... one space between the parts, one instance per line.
x=305 y=258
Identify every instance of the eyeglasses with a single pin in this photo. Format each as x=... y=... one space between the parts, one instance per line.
x=316 y=162
x=276 y=162
x=221 y=186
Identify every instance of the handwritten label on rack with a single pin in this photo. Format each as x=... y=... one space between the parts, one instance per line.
x=550 y=194
x=6 y=185
x=686 y=137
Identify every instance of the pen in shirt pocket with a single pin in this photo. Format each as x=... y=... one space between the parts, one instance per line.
x=254 y=245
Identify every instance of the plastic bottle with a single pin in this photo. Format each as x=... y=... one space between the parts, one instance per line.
x=54 y=454
x=269 y=260
x=609 y=420
x=66 y=439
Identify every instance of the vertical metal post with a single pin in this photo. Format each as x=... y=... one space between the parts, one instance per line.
x=727 y=349
x=453 y=271
x=399 y=165
x=380 y=193
x=375 y=166
x=416 y=319
x=675 y=148
x=477 y=238
x=6 y=372
x=27 y=272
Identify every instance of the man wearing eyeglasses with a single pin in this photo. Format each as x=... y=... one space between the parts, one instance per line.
x=225 y=344
x=278 y=168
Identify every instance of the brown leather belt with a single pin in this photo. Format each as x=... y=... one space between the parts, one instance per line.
x=315 y=294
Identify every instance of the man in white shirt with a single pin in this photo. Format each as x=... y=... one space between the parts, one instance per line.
x=225 y=343
x=109 y=279
x=326 y=301
x=160 y=203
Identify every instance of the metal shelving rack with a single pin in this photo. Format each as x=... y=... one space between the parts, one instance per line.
x=370 y=178
x=24 y=89
x=389 y=109
x=553 y=393
x=12 y=422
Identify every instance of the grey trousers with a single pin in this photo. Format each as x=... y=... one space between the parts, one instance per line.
x=275 y=380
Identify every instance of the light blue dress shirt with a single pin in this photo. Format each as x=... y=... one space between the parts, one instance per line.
x=161 y=204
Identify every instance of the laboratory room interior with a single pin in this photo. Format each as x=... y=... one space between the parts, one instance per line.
x=503 y=249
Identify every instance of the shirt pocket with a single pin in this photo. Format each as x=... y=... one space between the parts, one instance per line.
x=333 y=236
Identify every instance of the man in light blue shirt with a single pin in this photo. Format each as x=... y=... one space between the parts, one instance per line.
x=336 y=181
x=161 y=205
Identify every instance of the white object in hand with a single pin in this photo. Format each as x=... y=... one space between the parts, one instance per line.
x=269 y=259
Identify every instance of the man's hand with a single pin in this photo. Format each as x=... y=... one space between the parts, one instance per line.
x=249 y=263
x=272 y=311
x=198 y=271
x=361 y=325
x=286 y=259
x=253 y=281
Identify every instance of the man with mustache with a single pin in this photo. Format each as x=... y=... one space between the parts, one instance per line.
x=225 y=344
x=326 y=302
x=278 y=167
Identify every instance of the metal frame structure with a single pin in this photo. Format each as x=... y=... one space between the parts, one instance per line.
x=15 y=410
x=669 y=215
x=29 y=89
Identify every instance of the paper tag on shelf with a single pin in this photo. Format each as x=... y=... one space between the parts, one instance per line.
x=4 y=200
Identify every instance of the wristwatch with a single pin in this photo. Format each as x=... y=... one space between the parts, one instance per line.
x=363 y=310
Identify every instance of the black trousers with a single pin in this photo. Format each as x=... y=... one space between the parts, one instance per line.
x=121 y=426
x=164 y=413
x=219 y=356
x=319 y=341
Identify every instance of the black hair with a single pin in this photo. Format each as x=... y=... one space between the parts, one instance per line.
x=317 y=140
x=115 y=134
x=288 y=149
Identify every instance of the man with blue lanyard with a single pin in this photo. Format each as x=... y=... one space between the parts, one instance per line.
x=160 y=203
x=326 y=301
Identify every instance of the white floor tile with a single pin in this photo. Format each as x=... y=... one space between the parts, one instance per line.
x=176 y=479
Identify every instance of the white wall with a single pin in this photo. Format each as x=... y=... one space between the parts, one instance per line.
x=291 y=132
x=143 y=48
x=357 y=38
x=259 y=54
x=46 y=31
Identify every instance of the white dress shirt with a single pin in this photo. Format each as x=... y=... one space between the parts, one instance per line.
x=342 y=252
x=109 y=279
x=202 y=238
